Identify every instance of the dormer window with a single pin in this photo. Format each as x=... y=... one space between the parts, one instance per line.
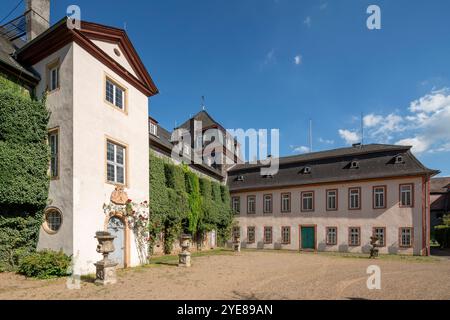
x=240 y=178
x=306 y=170
x=153 y=129
x=354 y=164
x=399 y=159
x=268 y=176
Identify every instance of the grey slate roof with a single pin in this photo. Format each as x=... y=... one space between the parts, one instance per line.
x=375 y=161
x=202 y=116
x=440 y=185
x=9 y=63
x=163 y=143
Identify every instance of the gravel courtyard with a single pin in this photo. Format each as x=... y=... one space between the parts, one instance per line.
x=254 y=275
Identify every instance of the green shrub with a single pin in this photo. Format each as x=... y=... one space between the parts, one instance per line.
x=45 y=264
x=19 y=233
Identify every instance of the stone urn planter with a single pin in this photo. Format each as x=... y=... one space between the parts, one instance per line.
x=105 y=268
x=374 y=250
x=185 y=256
x=237 y=244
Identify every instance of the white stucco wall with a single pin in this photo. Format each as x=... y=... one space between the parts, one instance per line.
x=60 y=103
x=109 y=47
x=393 y=217
x=94 y=121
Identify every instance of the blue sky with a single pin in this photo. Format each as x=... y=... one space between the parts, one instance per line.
x=278 y=63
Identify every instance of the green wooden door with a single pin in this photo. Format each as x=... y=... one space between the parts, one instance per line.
x=308 y=238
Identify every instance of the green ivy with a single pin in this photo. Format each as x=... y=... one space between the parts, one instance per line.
x=24 y=183
x=180 y=201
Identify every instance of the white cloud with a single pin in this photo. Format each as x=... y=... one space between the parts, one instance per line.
x=298 y=59
x=307 y=21
x=299 y=149
x=433 y=102
x=350 y=137
x=425 y=125
x=372 y=120
x=270 y=57
x=326 y=141
x=418 y=144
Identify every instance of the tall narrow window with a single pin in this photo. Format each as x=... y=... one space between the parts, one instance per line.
x=285 y=202
x=380 y=233
x=354 y=236
x=53 y=76
x=267 y=203
x=406 y=235
x=308 y=201
x=115 y=166
x=53 y=140
x=331 y=236
x=379 y=197
x=251 y=201
x=354 y=198
x=115 y=94
x=236 y=205
x=406 y=195
x=267 y=235
x=250 y=234
x=285 y=235
x=332 y=202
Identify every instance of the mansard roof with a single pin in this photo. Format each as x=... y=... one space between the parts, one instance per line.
x=59 y=35
x=376 y=161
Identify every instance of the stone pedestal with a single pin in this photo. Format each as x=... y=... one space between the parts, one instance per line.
x=105 y=272
x=184 y=257
x=105 y=268
x=237 y=244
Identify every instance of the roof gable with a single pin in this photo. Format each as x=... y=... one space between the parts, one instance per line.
x=59 y=35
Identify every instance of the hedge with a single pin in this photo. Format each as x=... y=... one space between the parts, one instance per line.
x=24 y=183
x=45 y=264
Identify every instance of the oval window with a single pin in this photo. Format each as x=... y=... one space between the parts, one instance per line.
x=53 y=220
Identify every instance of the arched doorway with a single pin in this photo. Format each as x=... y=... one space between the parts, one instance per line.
x=117 y=228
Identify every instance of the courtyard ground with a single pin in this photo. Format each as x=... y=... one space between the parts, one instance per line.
x=222 y=274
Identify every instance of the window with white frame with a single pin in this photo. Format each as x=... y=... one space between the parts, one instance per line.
x=267 y=235
x=251 y=200
x=332 y=199
x=379 y=197
x=406 y=195
x=380 y=233
x=153 y=129
x=267 y=203
x=285 y=202
x=285 y=235
x=250 y=234
x=115 y=94
x=354 y=237
x=53 y=141
x=406 y=237
x=53 y=77
x=236 y=204
x=115 y=167
x=354 y=198
x=331 y=236
x=308 y=201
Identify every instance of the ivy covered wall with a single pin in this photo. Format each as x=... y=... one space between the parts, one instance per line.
x=180 y=201
x=24 y=181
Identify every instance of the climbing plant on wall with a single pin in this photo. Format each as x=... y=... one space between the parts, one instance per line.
x=24 y=183
x=180 y=201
